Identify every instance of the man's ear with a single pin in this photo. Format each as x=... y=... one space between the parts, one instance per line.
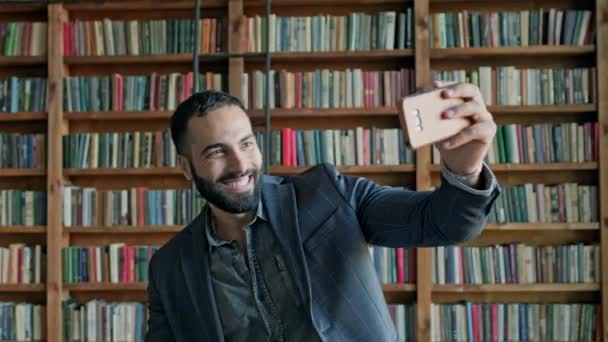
x=184 y=164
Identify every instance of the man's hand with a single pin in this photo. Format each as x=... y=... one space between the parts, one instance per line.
x=464 y=152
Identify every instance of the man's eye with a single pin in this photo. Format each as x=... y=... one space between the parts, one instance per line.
x=248 y=144
x=215 y=153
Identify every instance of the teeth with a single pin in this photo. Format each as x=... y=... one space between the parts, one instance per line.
x=238 y=182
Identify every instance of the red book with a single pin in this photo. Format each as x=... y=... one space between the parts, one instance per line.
x=400 y=266
x=476 y=322
x=494 y=320
x=294 y=147
x=130 y=264
x=285 y=148
x=20 y=261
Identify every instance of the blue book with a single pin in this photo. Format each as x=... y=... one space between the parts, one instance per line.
x=470 y=321
x=15 y=95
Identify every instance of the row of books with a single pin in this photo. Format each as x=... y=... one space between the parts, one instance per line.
x=134 y=92
x=546 y=143
x=516 y=264
x=22 y=321
x=108 y=37
x=90 y=207
x=359 y=146
x=394 y=265
x=543 y=203
x=350 y=88
x=22 y=207
x=22 y=94
x=22 y=151
x=119 y=150
x=510 y=85
x=566 y=142
x=114 y=263
x=516 y=28
x=21 y=264
x=387 y=30
x=515 y=322
x=99 y=320
x=404 y=318
x=23 y=39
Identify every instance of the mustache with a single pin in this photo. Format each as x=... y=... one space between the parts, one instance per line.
x=237 y=175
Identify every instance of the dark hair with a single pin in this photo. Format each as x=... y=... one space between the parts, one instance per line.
x=198 y=104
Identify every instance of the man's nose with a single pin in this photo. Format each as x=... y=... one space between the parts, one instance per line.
x=238 y=163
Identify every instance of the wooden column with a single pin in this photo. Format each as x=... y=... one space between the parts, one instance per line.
x=236 y=66
x=57 y=126
x=423 y=173
x=602 y=91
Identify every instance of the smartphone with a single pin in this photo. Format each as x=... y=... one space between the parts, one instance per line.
x=421 y=120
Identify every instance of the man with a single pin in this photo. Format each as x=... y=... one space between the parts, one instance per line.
x=286 y=258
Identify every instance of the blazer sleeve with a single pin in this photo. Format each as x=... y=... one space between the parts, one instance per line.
x=158 y=324
x=397 y=217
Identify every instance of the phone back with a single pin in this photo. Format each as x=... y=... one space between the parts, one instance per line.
x=420 y=117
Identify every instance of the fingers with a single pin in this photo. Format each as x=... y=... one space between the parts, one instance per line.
x=482 y=132
x=463 y=90
x=471 y=109
x=441 y=84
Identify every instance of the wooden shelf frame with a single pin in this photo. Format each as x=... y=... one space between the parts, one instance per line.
x=423 y=292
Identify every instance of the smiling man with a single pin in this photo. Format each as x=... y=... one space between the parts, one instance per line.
x=286 y=258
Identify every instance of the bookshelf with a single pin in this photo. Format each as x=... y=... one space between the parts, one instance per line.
x=421 y=175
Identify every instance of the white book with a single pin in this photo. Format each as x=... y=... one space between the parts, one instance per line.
x=391 y=18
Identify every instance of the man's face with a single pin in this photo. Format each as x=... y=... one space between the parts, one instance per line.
x=225 y=160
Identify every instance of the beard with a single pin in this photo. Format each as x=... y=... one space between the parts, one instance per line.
x=229 y=202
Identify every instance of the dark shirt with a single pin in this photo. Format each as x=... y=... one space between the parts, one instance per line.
x=256 y=296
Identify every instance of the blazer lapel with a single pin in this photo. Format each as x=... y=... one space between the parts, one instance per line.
x=195 y=268
x=280 y=203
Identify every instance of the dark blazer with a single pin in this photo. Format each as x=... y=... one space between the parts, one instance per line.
x=324 y=222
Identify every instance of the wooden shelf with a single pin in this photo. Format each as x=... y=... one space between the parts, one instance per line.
x=346 y=56
x=183 y=58
x=117 y=116
x=151 y=171
x=8 y=172
x=12 y=61
x=287 y=170
x=123 y=230
x=106 y=287
x=542 y=226
x=22 y=229
x=22 y=116
x=517 y=288
x=281 y=113
x=535 y=167
x=542 y=109
x=143 y=5
x=22 y=288
x=512 y=51
x=399 y=288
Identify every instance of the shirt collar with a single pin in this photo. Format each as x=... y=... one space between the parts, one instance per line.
x=216 y=241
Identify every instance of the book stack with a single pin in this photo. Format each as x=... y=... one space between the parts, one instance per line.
x=99 y=320
x=515 y=322
x=135 y=207
x=22 y=94
x=516 y=28
x=119 y=150
x=394 y=265
x=350 y=88
x=516 y=264
x=536 y=203
x=22 y=151
x=387 y=30
x=23 y=39
x=22 y=322
x=21 y=264
x=114 y=263
x=108 y=37
x=134 y=92
x=22 y=207
x=513 y=86
x=360 y=146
